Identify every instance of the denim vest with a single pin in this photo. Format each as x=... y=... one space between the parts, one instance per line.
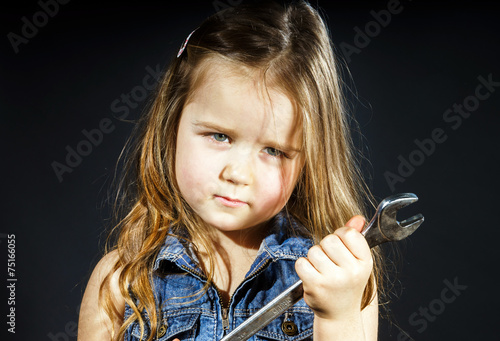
x=190 y=313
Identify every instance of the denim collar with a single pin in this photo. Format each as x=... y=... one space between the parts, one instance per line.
x=287 y=240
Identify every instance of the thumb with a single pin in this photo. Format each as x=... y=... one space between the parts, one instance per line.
x=357 y=222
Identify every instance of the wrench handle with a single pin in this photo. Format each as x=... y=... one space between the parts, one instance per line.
x=267 y=313
x=272 y=310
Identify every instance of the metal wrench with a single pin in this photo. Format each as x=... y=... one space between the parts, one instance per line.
x=383 y=227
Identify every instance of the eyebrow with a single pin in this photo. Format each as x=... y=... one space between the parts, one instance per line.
x=215 y=127
x=231 y=132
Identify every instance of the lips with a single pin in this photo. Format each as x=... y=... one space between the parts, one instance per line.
x=229 y=202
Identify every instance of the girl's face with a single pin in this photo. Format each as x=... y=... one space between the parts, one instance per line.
x=237 y=156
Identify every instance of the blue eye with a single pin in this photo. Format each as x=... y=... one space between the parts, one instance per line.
x=274 y=152
x=220 y=137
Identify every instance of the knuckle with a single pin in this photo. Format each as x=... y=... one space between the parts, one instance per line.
x=316 y=248
x=300 y=263
x=346 y=233
x=314 y=251
x=354 y=237
x=330 y=241
x=351 y=232
x=301 y=267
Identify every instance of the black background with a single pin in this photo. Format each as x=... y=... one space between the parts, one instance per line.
x=85 y=57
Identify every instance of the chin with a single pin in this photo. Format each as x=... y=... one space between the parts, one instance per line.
x=227 y=226
x=227 y=223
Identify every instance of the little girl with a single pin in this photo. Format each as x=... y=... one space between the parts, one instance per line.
x=243 y=180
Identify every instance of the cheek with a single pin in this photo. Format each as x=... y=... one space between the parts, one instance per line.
x=277 y=186
x=184 y=164
x=193 y=167
x=185 y=175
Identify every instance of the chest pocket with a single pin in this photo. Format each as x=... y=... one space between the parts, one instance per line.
x=296 y=324
x=182 y=324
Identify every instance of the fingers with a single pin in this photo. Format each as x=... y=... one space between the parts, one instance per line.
x=353 y=243
x=357 y=222
x=337 y=270
x=343 y=248
x=320 y=261
x=305 y=269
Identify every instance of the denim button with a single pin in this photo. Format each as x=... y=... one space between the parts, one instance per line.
x=162 y=330
x=289 y=328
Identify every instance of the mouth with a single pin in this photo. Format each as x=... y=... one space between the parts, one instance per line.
x=229 y=202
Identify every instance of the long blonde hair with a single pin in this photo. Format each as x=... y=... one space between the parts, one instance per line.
x=291 y=45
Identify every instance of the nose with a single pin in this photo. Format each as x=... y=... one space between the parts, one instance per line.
x=238 y=169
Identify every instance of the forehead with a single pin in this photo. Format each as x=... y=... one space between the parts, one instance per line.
x=232 y=94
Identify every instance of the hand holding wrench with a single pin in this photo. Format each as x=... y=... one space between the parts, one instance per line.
x=383 y=227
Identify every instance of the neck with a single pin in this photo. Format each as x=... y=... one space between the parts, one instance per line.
x=233 y=254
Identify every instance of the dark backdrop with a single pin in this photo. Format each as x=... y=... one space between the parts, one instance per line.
x=425 y=91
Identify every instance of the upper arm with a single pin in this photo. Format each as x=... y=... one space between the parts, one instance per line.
x=369 y=315
x=94 y=324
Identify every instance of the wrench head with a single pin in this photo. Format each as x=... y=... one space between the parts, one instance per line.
x=389 y=226
x=384 y=227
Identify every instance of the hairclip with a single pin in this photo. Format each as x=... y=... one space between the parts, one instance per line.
x=183 y=47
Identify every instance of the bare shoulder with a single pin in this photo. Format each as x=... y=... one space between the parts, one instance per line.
x=94 y=324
